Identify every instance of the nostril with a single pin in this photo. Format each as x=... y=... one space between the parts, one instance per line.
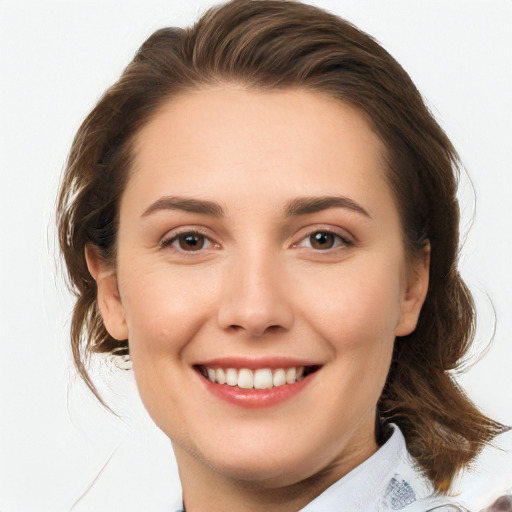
x=254 y=308
x=256 y=332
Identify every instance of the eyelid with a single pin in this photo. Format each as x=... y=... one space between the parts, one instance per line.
x=346 y=238
x=167 y=240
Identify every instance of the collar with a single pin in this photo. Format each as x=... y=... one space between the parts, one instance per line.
x=387 y=481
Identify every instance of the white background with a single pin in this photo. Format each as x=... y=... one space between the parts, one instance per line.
x=56 y=58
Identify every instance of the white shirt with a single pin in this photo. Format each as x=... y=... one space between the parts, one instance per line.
x=388 y=481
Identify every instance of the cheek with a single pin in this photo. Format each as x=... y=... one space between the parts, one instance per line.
x=164 y=308
x=355 y=312
x=355 y=306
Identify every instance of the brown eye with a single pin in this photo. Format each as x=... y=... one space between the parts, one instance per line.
x=190 y=241
x=322 y=240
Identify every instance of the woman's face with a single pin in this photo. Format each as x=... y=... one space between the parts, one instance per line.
x=259 y=242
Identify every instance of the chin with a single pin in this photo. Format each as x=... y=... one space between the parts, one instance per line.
x=262 y=473
x=270 y=464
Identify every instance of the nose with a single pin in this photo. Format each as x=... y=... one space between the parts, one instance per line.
x=255 y=299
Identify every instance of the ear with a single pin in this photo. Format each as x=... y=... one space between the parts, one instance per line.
x=108 y=298
x=415 y=291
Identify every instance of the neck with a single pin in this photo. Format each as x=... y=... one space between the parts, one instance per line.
x=249 y=497
x=222 y=493
x=207 y=489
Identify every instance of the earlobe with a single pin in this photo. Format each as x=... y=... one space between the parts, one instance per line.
x=414 y=294
x=108 y=298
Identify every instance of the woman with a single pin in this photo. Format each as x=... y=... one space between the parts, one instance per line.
x=261 y=212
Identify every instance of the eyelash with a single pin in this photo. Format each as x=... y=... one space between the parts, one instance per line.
x=339 y=241
x=175 y=237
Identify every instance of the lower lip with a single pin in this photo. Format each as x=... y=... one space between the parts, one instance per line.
x=256 y=398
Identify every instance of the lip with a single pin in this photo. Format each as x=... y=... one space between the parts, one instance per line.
x=255 y=363
x=255 y=398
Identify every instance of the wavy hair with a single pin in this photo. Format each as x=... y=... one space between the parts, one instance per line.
x=279 y=44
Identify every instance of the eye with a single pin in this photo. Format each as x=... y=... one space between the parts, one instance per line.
x=189 y=241
x=323 y=241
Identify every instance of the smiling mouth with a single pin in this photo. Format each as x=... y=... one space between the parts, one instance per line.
x=261 y=378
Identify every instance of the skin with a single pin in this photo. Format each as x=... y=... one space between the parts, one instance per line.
x=259 y=288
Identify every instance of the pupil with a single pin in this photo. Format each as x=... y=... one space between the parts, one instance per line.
x=191 y=242
x=322 y=240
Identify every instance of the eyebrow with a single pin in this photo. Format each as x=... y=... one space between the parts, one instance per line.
x=185 y=204
x=307 y=205
x=298 y=206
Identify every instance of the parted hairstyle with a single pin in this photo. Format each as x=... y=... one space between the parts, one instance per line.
x=275 y=45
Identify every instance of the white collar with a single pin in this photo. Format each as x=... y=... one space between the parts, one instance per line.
x=389 y=480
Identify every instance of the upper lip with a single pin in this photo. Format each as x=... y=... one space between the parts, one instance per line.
x=255 y=363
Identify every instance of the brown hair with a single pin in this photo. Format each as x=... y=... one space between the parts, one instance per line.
x=276 y=44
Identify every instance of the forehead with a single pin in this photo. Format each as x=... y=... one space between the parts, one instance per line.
x=247 y=140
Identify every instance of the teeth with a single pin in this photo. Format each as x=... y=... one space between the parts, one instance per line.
x=263 y=378
x=279 y=377
x=245 y=379
x=220 y=376
x=291 y=375
x=231 y=377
